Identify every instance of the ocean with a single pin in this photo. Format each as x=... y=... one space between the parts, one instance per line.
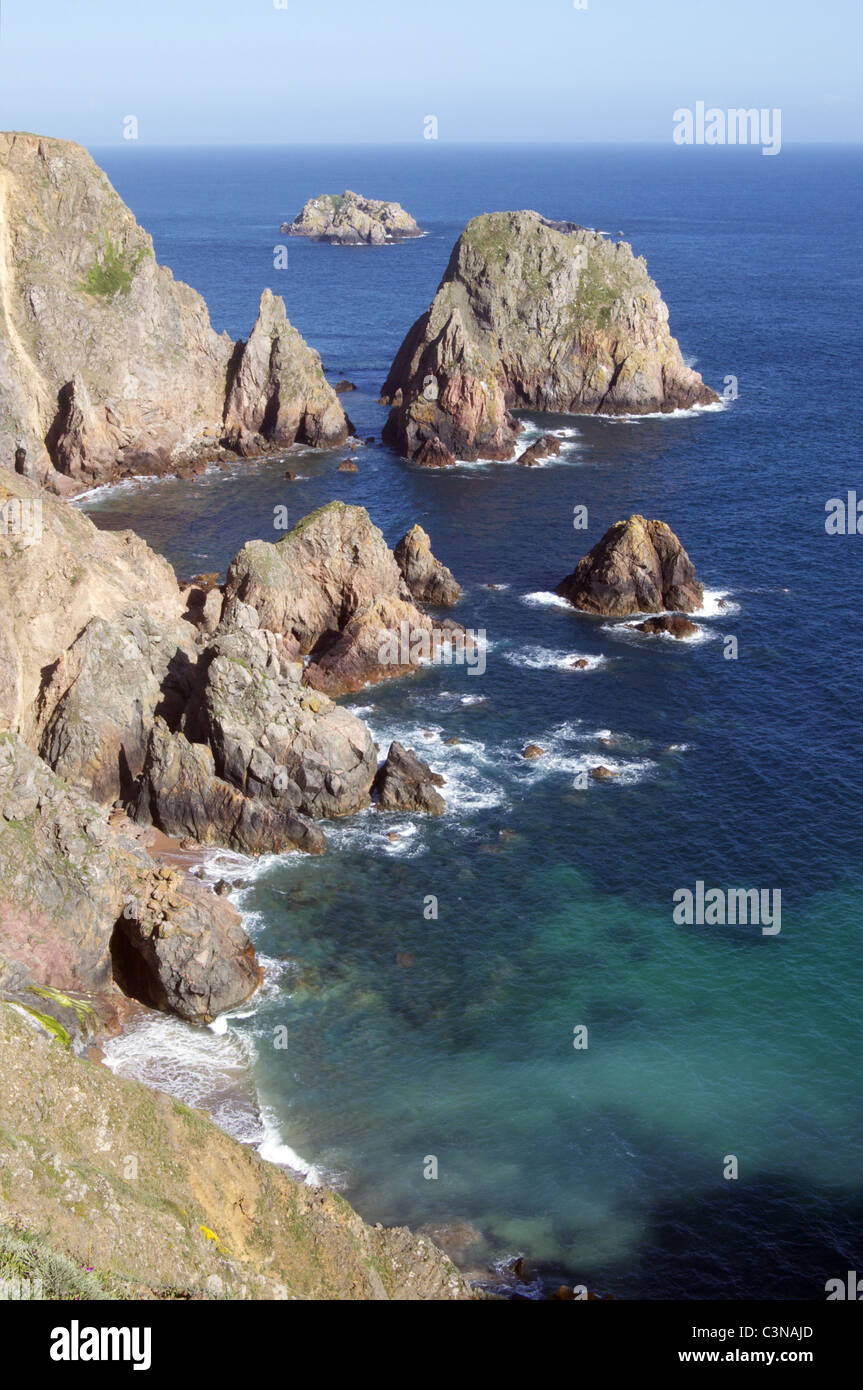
x=433 y=985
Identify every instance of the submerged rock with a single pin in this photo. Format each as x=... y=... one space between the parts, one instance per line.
x=639 y=566
x=535 y=315
x=406 y=783
x=673 y=626
x=428 y=580
x=349 y=219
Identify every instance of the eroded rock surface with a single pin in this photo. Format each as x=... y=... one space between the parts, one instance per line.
x=639 y=566
x=349 y=219
x=536 y=315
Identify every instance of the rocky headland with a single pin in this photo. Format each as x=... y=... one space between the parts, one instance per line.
x=349 y=219
x=108 y=365
x=532 y=315
x=638 y=566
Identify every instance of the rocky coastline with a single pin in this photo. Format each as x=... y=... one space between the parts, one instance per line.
x=143 y=719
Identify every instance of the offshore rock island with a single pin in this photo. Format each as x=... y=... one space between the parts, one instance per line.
x=538 y=315
x=349 y=219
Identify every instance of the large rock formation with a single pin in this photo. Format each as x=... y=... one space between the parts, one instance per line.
x=406 y=783
x=83 y=904
x=349 y=219
x=639 y=566
x=536 y=315
x=107 y=364
x=334 y=590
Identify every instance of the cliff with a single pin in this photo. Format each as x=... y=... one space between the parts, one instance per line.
x=533 y=315
x=159 y=1203
x=108 y=365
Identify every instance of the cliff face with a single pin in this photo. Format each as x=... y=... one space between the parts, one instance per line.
x=349 y=219
x=160 y=1203
x=532 y=315
x=107 y=363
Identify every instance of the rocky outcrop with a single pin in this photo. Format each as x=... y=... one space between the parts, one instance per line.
x=333 y=589
x=279 y=394
x=680 y=628
x=546 y=447
x=532 y=315
x=428 y=580
x=202 y=1216
x=84 y=906
x=182 y=794
x=349 y=219
x=639 y=566
x=406 y=783
x=110 y=366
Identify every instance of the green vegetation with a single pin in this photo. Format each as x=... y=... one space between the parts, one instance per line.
x=112 y=275
x=31 y=1269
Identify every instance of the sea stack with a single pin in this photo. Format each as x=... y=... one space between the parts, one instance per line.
x=639 y=566
x=532 y=315
x=349 y=219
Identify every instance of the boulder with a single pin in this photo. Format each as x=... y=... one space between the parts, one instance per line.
x=536 y=315
x=639 y=566
x=406 y=783
x=674 y=627
x=427 y=579
x=533 y=750
x=545 y=447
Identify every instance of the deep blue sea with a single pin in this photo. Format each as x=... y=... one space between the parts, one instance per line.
x=411 y=1037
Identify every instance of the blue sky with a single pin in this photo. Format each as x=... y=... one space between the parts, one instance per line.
x=336 y=71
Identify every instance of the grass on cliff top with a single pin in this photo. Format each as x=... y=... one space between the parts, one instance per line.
x=112 y=274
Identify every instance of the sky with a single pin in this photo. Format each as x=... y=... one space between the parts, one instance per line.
x=210 y=72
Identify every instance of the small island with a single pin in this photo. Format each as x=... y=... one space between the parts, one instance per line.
x=349 y=219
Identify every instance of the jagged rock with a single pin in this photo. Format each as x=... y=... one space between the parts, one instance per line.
x=545 y=447
x=52 y=590
x=287 y=746
x=406 y=783
x=602 y=774
x=428 y=580
x=532 y=315
x=349 y=219
x=433 y=453
x=112 y=679
x=533 y=750
x=674 y=627
x=279 y=394
x=184 y=951
x=75 y=892
x=107 y=364
x=183 y=795
x=639 y=566
x=331 y=565
x=347 y=466
x=384 y=640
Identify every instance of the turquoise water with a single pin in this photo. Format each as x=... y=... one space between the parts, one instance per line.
x=411 y=1036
